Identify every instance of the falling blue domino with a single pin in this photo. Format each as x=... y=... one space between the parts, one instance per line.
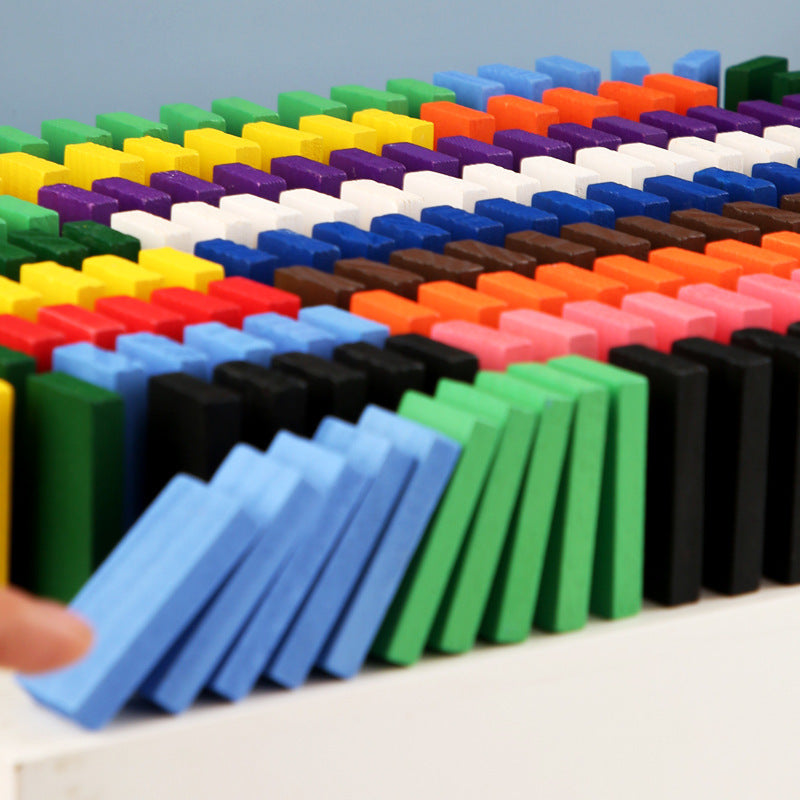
x=435 y=457
x=569 y=208
x=220 y=343
x=123 y=375
x=344 y=326
x=785 y=178
x=687 y=194
x=388 y=470
x=342 y=489
x=699 y=65
x=239 y=261
x=569 y=73
x=470 y=90
x=462 y=224
x=738 y=186
x=144 y=596
x=354 y=242
x=284 y=508
x=293 y=249
x=158 y=355
x=521 y=82
x=407 y=232
x=628 y=202
x=517 y=217
x=629 y=66
x=289 y=335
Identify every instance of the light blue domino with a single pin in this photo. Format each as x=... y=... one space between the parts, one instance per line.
x=629 y=66
x=144 y=596
x=289 y=335
x=435 y=457
x=388 y=470
x=515 y=80
x=344 y=326
x=159 y=355
x=699 y=65
x=219 y=344
x=569 y=73
x=342 y=489
x=470 y=90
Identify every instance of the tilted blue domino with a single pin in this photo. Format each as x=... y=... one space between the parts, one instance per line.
x=289 y=335
x=145 y=595
x=159 y=355
x=785 y=178
x=284 y=508
x=471 y=91
x=435 y=459
x=344 y=326
x=293 y=249
x=388 y=470
x=569 y=209
x=220 y=343
x=239 y=261
x=342 y=489
x=462 y=224
x=699 y=65
x=517 y=217
x=628 y=202
x=684 y=194
x=738 y=186
x=126 y=377
x=354 y=242
x=569 y=73
x=629 y=66
x=407 y=232
x=521 y=82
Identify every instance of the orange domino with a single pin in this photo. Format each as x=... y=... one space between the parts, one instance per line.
x=635 y=100
x=753 y=259
x=517 y=291
x=639 y=276
x=786 y=242
x=688 y=93
x=580 y=107
x=451 y=119
x=582 y=284
x=696 y=267
x=454 y=301
x=510 y=111
x=399 y=313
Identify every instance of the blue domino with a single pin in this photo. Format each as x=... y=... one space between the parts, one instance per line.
x=407 y=232
x=462 y=224
x=471 y=91
x=569 y=208
x=158 y=355
x=687 y=194
x=628 y=202
x=435 y=457
x=289 y=335
x=284 y=508
x=354 y=242
x=738 y=186
x=388 y=470
x=786 y=179
x=629 y=66
x=521 y=82
x=220 y=343
x=569 y=73
x=342 y=489
x=145 y=595
x=517 y=217
x=344 y=326
x=239 y=261
x=699 y=65
x=294 y=249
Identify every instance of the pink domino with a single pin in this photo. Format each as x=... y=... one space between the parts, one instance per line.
x=734 y=311
x=550 y=336
x=674 y=319
x=495 y=349
x=782 y=294
x=614 y=326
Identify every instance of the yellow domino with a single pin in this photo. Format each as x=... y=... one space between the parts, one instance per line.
x=338 y=134
x=58 y=284
x=181 y=269
x=23 y=175
x=161 y=156
x=216 y=147
x=19 y=300
x=392 y=128
x=89 y=162
x=121 y=276
x=277 y=141
x=6 y=449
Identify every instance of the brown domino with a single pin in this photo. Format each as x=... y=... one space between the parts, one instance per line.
x=791 y=202
x=317 y=288
x=436 y=267
x=550 y=249
x=491 y=257
x=663 y=234
x=605 y=241
x=376 y=275
x=766 y=218
x=715 y=227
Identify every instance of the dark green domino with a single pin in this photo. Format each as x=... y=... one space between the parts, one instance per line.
x=58 y=133
x=618 y=582
x=784 y=83
x=407 y=625
x=293 y=105
x=122 y=126
x=50 y=248
x=564 y=595
x=12 y=258
x=101 y=240
x=20 y=215
x=752 y=80
x=74 y=434
x=512 y=602
x=182 y=117
x=13 y=140
x=419 y=92
x=238 y=112
x=359 y=98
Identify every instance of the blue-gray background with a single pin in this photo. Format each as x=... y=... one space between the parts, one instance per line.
x=67 y=59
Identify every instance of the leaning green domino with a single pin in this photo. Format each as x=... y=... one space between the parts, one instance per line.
x=238 y=112
x=419 y=92
x=20 y=215
x=59 y=133
x=13 y=140
x=122 y=126
x=360 y=98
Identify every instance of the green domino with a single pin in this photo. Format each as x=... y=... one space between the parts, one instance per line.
x=3 y=227
x=512 y=602
x=74 y=433
x=752 y=80
x=182 y=117
x=419 y=92
x=13 y=140
x=122 y=126
x=408 y=623
x=359 y=98
x=617 y=585
x=20 y=215
x=12 y=258
x=60 y=132
x=238 y=112
x=293 y=105
x=101 y=240
x=50 y=248
x=784 y=83
x=564 y=594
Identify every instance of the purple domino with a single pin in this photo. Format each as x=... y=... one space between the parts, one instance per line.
x=132 y=196
x=244 y=179
x=677 y=125
x=303 y=173
x=359 y=165
x=579 y=136
x=416 y=158
x=770 y=113
x=471 y=151
x=629 y=131
x=724 y=120
x=74 y=204
x=183 y=188
x=524 y=144
x=791 y=100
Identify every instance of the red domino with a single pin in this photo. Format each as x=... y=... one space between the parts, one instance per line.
x=197 y=307
x=31 y=338
x=80 y=325
x=255 y=298
x=139 y=316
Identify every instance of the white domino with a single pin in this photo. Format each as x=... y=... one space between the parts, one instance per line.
x=556 y=175
x=785 y=134
x=264 y=215
x=756 y=150
x=375 y=199
x=708 y=154
x=153 y=231
x=502 y=182
x=666 y=162
x=443 y=190
x=614 y=166
x=209 y=222
x=318 y=207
